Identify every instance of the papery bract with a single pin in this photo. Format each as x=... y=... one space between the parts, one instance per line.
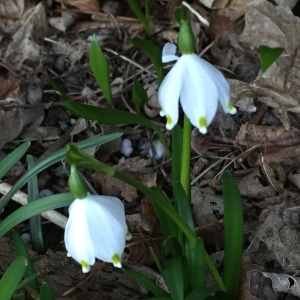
x=96 y=228
x=197 y=84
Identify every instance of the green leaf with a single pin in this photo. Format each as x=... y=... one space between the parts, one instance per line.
x=10 y=160
x=153 y=52
x=100 y=69
x=156 y=260
x=110 y=116
x=52 y=159
x=268 y=56
x=31 y=209
x=195 y=259
x=146 y=282
x=139 y=95
x=22 y=251
x=199 y=293
x=144 y=19
x=172 y=272
x=177 y=138
x=233 y=234
x=46 y=292
x=12 y=277
x=58 y=88
x=35 y=224
x=171 y=246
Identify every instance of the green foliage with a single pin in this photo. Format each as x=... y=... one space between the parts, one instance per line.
x=139 y=95
x=46 y=292
x=52 y=159
x=35 y=224
x=268 y=56
x=12 y=277
x=153 y=52
x=233 y=234
x=99 y=66
x=111 y=116
x=143 y=18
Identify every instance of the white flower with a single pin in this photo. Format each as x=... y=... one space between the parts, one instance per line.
x=198 y=84
x=96 y=228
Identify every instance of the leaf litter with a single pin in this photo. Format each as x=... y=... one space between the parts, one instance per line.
x=260 y=145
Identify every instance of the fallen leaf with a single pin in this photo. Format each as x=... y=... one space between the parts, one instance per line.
x=12 y=9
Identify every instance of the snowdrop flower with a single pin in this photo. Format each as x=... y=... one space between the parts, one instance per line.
x=96 y=228
x=196 y=82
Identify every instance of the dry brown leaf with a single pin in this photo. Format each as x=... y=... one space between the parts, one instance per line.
x=291 y=216
x=251 y=187
x=11 y=124
x=25 y=43
x=9 y=88
x=214 y=4
x=83 y=5
x=251 y=135
x=12 y=9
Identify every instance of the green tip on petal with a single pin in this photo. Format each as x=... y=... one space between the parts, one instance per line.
x=202 y=125
x=116 y=260
x=231 y=108
x=76 y=184
x=85 y=266
x=128 y=236
x=169 y=120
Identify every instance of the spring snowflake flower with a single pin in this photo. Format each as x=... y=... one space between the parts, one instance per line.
x=198 y=84
x=96 y=228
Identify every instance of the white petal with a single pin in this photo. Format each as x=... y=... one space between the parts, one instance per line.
x=168 y=53
x=199 y=94
x=168 y=94
x=107 y=226
x=222 y=86
x=77 y=238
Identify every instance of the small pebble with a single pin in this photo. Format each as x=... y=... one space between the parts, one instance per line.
x=46 y=193
x=126 y=149
x=26 y=238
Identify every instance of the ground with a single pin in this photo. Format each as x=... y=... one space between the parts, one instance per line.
x=259 y=145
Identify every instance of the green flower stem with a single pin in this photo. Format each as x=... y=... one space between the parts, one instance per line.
x=186 y=183
x=186 y=157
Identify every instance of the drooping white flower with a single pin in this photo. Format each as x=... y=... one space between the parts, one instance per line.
x=198 y=84
x=96 y=228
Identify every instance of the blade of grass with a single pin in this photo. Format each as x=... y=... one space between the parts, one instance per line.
x=233 y=234
x=35 y=224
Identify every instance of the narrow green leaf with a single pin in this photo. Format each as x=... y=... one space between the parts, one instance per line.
x=46 y=292
x=35 y=223
x=145 y=282
x=153 y=52
x=233 y=234
x=195 y=259
x=58 y=88
x=268 y=56
x=10 y=160
x=22 y=251
x=177 y=138
x=12 y=277
x=99 y=66
x=110 y=116
x=172 y=272
x=156 y=260
x=52 y=159
x=31 y=209
x=182 y=205
x=171 y=246
x=199 y=294
x=135 y=6
x=139 y=95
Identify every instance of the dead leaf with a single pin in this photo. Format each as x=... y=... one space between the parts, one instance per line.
x=25 y=43
x=12 y=9
x=9 y=88
x=214 y=4
x=291 y=216
x=83 y=5
x=11 y=124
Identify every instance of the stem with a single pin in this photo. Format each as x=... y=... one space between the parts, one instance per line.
x=186 y=157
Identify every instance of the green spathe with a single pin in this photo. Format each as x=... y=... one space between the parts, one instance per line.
x=186 y=39
x=77 y=185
